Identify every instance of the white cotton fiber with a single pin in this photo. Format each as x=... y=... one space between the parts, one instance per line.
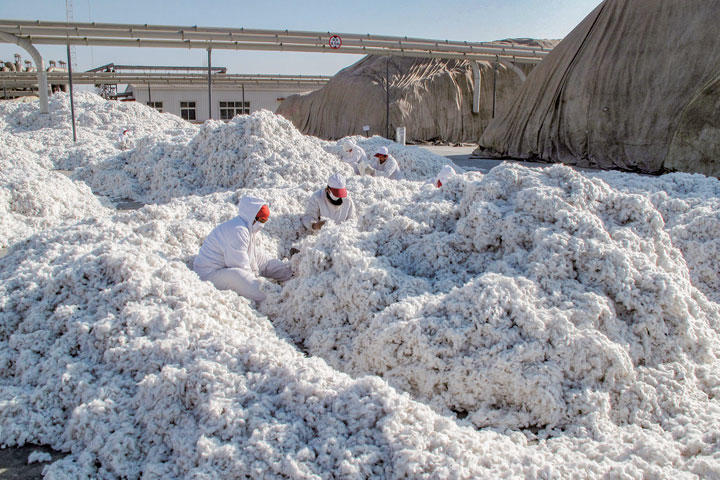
x=39 y=457
x=33 y=198
x=519 y=324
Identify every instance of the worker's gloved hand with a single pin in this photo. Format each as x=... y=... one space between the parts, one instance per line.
x=318 y=225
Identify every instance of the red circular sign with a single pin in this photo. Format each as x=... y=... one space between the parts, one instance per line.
x=335 y=41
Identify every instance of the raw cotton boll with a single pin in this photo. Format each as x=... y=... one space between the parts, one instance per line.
x=533 y=286
x=491 y=349
x=690 y=206
x=32 y=199
x=259 y=150
x=126 y=358
x=98 y=122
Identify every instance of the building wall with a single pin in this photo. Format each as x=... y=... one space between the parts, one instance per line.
x=259 y=97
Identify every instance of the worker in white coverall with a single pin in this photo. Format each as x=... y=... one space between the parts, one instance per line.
x=353 y=155
x=384 y=165
x=125 y=139
x=230 y=259
x=329 y=203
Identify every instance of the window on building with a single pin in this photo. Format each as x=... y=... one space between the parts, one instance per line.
x=188 y=110
x=156 y=105
x=229 y=109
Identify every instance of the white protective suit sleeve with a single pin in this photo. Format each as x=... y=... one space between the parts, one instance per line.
x=271 y=267
x=312 y=212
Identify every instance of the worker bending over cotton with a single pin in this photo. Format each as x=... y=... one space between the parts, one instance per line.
x=353 y=155
x=384 y=165
x=443 y=176
x=125 y=139
x=230 y=259
x=329 y=203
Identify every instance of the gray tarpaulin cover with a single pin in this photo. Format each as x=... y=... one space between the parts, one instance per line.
x=432 y=98
x=636 y=85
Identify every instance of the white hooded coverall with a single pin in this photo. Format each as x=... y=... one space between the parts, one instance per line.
x=318 y=207
x=388 y=169
x=354 y=157
x=228 y=257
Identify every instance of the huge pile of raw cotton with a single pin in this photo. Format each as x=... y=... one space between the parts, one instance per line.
x=520 y=324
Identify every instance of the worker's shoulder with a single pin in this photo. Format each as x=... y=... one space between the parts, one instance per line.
x=318 y=194
x=236 y=223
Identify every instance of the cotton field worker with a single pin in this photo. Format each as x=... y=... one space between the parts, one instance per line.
x=354 y=156
x=384 y=165
x=230 y=259
x=329 y=203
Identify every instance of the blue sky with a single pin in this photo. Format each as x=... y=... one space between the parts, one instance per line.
x=480 y=20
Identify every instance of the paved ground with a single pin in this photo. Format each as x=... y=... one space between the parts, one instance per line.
x=462 y=156
x=14 y=465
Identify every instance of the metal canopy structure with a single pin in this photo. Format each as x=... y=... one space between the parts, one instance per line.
x=168 y=36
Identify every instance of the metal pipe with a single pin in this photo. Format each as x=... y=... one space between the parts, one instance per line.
x=350 y=50
x=387 y=97
x=495 y=65
x=39 y=64
x=477 y=84
x=27 y=79
x=72 y=102
x=515 y=69
x=25 y=27
x=320 y=40
x=209 y=78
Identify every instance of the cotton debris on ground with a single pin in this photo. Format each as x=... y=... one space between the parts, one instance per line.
x=568 y=320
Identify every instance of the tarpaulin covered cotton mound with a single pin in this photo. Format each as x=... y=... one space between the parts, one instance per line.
x=634 y=86
x=431 y=98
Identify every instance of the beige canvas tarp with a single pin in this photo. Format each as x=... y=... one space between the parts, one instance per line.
x=431 y=98
x=634 y=86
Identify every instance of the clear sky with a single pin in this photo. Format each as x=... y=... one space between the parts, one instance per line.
x=479 y=20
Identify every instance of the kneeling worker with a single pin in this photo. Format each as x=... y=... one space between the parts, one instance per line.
x=230 y=259
x=330 y=203
x=385 y=165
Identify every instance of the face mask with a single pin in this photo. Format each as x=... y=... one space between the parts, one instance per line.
x=333 y=199
x=257 y=226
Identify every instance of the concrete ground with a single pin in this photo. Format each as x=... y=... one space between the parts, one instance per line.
x=14 y=462
x=462 y=156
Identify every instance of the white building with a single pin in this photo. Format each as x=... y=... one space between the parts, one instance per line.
x=190 y=102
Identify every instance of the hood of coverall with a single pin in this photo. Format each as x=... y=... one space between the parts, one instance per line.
x=248 y=208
